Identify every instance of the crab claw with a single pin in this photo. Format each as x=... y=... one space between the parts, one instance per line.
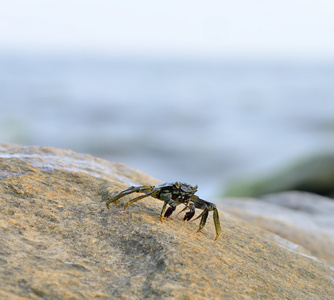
x=188 y=215
x=169 y=211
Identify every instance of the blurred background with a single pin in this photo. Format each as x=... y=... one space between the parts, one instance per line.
x=206 y=92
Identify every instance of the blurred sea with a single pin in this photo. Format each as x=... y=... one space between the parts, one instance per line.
x=200 y=122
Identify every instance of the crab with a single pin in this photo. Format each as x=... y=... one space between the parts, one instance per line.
x=173 y=194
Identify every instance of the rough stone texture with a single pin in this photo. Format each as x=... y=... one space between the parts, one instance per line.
x=302 y=218
x=58 y=241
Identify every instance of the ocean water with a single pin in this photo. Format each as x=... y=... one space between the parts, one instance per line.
x=204 y=123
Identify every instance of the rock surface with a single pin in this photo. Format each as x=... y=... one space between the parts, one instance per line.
x=302 y=218
x=58 y=241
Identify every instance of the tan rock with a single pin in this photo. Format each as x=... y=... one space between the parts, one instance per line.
x=303 y=218
x=58 y=241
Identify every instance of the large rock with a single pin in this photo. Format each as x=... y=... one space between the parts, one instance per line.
x=302 y=218
x=58 y=241
x=314 y=174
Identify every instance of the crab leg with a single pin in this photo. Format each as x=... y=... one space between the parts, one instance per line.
x=216 y=221
x=130 y=190
x=151 y=193
x=183 y=209
x=204 y=216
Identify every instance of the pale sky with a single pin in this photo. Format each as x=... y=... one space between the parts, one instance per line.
x=210 y=28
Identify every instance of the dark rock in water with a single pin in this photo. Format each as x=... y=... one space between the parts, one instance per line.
x=314 y=175
x=305 y=219
x=58 y=240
